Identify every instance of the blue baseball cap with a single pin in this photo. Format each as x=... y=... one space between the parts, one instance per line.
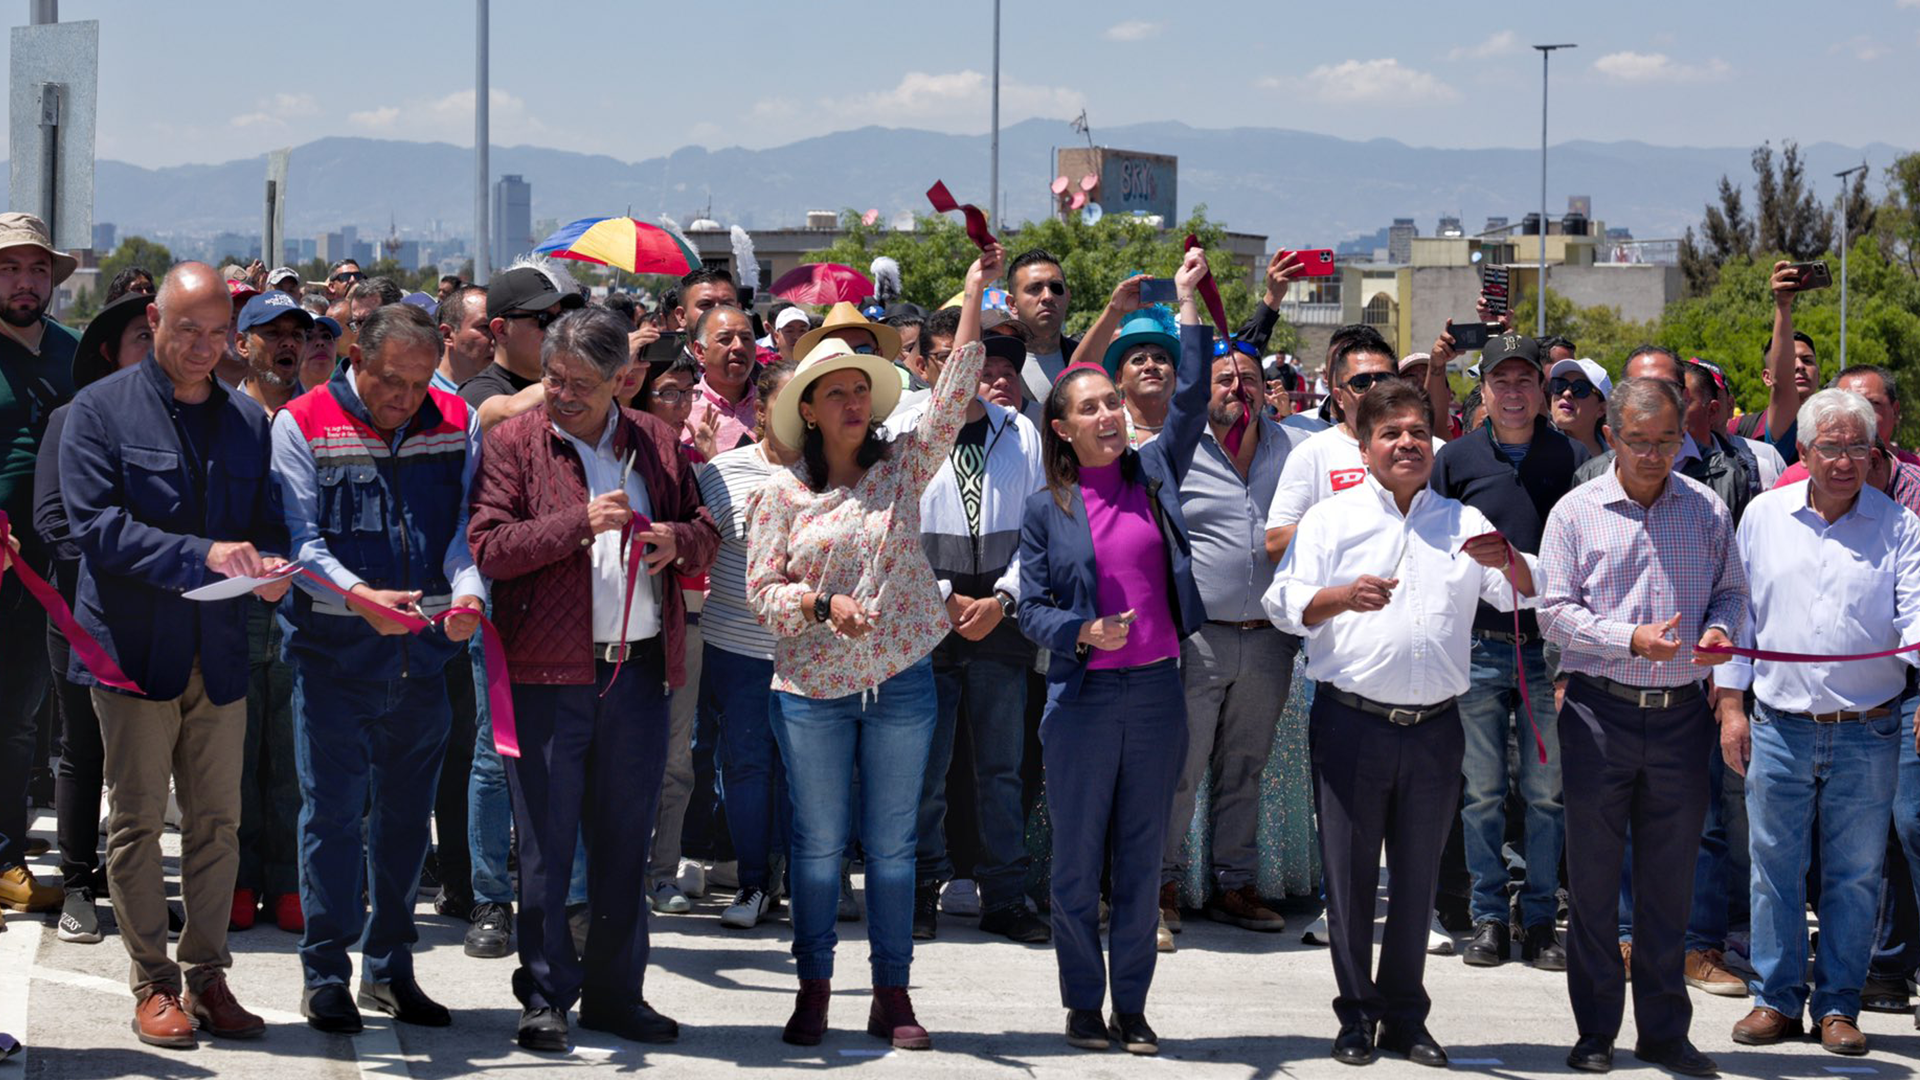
x=271 y=305
x=327 y=323
x=422 y=301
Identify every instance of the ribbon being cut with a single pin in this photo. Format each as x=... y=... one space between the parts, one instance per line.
x=943 y=202
x=90 y=652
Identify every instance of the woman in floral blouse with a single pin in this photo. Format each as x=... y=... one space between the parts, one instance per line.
x=836 y=570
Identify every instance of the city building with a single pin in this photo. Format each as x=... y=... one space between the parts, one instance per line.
x=511 y=229
x=105 y=237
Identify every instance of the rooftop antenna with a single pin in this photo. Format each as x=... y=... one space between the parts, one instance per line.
x=1080 y=125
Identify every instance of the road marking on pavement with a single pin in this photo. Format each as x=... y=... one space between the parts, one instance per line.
x=1843 y=1069
x=866 y=1053
x=1478 y=1061
x=18 y=944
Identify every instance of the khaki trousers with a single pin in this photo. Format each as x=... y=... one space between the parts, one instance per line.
x=199 y=745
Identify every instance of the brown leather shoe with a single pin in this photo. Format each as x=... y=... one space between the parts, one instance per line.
x=218 y=1013
x=1170 y=906
x=1626 y=958
x=1707 y=970
x=1841 y=1035
x=1764 y=1027
x=160 y=1021
x=1243 y=908
x=21 y=892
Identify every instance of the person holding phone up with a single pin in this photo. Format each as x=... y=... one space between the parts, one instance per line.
x=1114 y=734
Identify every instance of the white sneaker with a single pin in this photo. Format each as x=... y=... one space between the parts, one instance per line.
x=692 y=878
x=748 y=908
x=1439 y=942
x=961 y=897
x=667 y=899
x=1317 y=933
x=724 y=875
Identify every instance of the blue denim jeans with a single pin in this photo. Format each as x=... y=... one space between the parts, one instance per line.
x=887 y=731
x=752 y=785
x=1896 y=948
x=994 y=694
x=1839 y=779
x=364 y=749
x=1489 y=709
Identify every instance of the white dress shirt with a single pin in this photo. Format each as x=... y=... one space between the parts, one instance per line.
x=1849 y=587
x=1413 y=652
x=603 y=471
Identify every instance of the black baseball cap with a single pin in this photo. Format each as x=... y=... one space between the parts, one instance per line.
x=526 y=288
x=1508 y=347
x=1006 y=347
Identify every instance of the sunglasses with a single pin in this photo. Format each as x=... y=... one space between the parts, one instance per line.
x=1226 y=345
x=541 y=319
x=1367 y=380
x=1579 y=388
x=864 y=350
x=348 y=275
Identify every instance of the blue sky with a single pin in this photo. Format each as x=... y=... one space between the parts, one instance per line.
x=202 y=82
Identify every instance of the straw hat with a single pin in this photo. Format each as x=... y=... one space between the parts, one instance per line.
x=825 y=358
x=17 y=228
x=844 y=316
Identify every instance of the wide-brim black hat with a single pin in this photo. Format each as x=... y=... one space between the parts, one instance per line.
x=89 y=364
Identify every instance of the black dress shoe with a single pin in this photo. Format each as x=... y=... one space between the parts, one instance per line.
x=543 y=1029
x=403 y=1000
x=1416 y=1044
x=1130 y=1030
x=639 y=1024
x=1015 y=923
x=1354 y=1044
x=1593 y=1053
x=1086 y=1030
x=1678 y=1057
x=330 y=1009
x=454 y=905
x=1542 y=948
x=1491 y=940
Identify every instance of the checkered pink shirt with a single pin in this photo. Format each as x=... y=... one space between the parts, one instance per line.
x=1610 y=565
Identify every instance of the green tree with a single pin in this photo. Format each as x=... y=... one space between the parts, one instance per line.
x=135 y=251
x=1598 y=332
x=1897 y=220
x=1786 y=216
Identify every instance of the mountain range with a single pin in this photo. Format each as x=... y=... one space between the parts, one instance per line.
x=1299 y=189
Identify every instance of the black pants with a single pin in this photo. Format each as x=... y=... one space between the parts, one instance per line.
x=1623 y=765
x=453 y=859
x=23 y=683
x=1376 y=782
x=78 y=777
x=589 y=766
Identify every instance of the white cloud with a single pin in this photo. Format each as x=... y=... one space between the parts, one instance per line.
x=380 y=119
x=1132 y=30
x=1861 y=47
x=1365 y=82
x=952 y=101
x=449 y=118
x=1907 y=3
x=275 y=111
x=1633 y=67
x=1504 y=43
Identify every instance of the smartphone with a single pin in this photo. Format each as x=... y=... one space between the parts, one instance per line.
x=1157 y=291
x=1813 y=275
x=1472 y=336
x=1494 y=289
x=1314 y=262
x=666 y=347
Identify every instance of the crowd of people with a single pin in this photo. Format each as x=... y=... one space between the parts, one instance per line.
x=567 y=612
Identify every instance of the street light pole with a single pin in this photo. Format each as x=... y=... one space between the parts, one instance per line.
x=482 y=249
x=994 y=190
x=1843 y=174
x=1546 y=53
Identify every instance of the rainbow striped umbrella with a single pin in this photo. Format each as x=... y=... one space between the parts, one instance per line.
x=633 y=246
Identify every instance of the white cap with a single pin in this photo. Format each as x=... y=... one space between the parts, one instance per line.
x=1592 y=371
x=280 y=273
x=790 y=315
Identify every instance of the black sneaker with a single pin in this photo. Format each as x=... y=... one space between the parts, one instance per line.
x=79 y=922
x=491 y=937
x=1491 y=940
x=542 y=1029
x=1015 y=923
x=926 y=911
x=454 y=904
x=1542 y=948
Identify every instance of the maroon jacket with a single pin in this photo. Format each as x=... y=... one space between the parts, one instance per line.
x=529 y=534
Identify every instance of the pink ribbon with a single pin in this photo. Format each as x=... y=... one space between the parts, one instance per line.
x=635 y=524
x=1217 y=310
x=90 y=652
x=1519 y=666
x=943 y=202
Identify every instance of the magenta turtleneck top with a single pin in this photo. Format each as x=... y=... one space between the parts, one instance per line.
x=1130 y=567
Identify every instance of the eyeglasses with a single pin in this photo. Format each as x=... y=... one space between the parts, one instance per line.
x=578 y=388
x=1836 y=451
x=1642 y=448
x=939 y=357
x=1366 y=380
x=670 y=397
x=1579 y=388
x=541 y=319
x=349 y=275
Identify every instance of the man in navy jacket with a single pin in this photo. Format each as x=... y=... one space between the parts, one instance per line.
x=165 y=476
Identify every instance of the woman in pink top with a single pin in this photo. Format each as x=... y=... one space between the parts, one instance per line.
x=835 y=568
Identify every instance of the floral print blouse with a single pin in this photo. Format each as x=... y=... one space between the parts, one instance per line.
x=863 y=542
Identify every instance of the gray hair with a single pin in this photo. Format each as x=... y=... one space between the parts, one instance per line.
x=1829 y=405
x=1643 y=397
x=315 y=305
x=562 y=280
x=595 y=334
x=398 y=324
x=700 y=324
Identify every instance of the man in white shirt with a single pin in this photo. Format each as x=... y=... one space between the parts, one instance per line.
x=1384 y=580
x=1834 y=569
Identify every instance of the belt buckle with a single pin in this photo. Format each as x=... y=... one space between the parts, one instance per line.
x=613 y=654
x=1828 y=718
x=1413 y=716
x=1648 y=697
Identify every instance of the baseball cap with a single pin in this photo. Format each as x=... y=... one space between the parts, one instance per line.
x=422 y=301
x=1711 y=368
x=329 y=324
x=270 y=305
x=282 y=273
x=526 y=288
x=1587 y=369
x=1507 y=347
x=1415 y=359
x=790 y=315
x=240 y=291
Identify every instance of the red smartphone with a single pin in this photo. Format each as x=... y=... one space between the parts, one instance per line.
x=1315 y=262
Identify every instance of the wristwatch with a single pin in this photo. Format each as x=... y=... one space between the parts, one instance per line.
x=822 y=606
x=1007 y=604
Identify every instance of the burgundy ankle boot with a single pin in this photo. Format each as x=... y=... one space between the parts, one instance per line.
x=808 y=1024
x=892 y=1018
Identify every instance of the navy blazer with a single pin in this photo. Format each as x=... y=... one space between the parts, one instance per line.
x=144 y=510
x=1058 y=586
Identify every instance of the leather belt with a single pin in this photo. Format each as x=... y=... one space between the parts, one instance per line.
x=1660 y=697
x=1402 y=715
x=1248 y=624
x=1845 y=717
x=1507 y=636
x=619 y=652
